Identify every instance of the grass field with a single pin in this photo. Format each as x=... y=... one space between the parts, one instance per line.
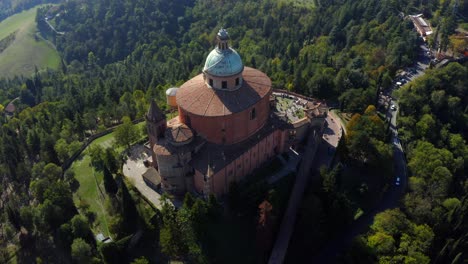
x=28 y=50
x=91 y=190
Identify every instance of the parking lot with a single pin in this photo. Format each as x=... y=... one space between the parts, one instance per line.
x=425 y=55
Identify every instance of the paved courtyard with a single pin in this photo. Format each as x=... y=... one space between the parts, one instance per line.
x=331 y=137
x=134 y=168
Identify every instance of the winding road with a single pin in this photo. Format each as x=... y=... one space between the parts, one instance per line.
x=337 y=245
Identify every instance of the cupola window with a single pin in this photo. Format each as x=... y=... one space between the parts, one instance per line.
x=224 y=84
x=237 y=81
x=211 y=82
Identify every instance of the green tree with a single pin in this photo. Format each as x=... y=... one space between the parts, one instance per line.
x=140 y=260
x=81 y=251
x=382 y=243
x=80 y=227
x=127 y=133
x=171 y=237
x=52 y=172
x=188 y=200
x=391 y=222
x=109 y=183
x=61 y=147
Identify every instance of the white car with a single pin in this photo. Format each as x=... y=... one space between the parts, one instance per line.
x=393 y=107
x=398 y=83
x=397 y=183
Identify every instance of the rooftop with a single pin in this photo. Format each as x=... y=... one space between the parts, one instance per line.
x=154 y=113
x=221 y=155
x=165 y=147
x=196 y=97
x=223 y=62
x=152 y=175
x=421 y=24
x=179 y=134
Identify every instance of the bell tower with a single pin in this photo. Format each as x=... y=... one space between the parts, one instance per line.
x=155 y=125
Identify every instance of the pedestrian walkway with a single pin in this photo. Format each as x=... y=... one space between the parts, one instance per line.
x=289 y=218
x=324 y=155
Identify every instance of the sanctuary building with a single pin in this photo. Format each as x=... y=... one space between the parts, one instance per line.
x=226 y=127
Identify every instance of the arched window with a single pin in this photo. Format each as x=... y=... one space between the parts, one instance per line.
x=224 y=84
x=237 y=81
x=211 y=82
x=253 y=114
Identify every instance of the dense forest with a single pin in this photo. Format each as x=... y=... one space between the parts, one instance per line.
x=432 y=223
x=117 y=55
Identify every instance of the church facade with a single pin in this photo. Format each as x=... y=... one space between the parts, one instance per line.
x=225 y=128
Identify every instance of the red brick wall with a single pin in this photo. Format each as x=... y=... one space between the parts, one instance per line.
x=243 y=166
x=237 y=127
x=198 y=181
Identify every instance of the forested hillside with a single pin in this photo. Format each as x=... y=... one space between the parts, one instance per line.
x=323 y=51
x=120 y=54
x=432 y=224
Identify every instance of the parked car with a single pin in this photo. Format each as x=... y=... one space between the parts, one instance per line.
x=393 y=107
x=397 y=183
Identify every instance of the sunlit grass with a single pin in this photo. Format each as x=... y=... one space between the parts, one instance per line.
x=91 y=190
x=28 y=50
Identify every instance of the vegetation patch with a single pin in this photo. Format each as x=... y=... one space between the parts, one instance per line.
x=27 y=50
x=5 y=43
x=345 y=117
x=464 y=26
x=91 y=194
x=301 y=3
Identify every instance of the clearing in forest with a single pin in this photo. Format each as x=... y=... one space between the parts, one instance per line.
x=28 y=49
x=91 y=192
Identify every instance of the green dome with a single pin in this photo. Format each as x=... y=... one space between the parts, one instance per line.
x=225 y=62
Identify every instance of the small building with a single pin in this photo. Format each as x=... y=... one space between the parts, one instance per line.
x=152 y=178
x=10 y=109
x=421 y=25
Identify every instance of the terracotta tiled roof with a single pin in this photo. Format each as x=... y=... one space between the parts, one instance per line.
x=10 y=108
x=265 y=206
x=179 y=134
x=218 y=156
x=152 y=175
x=165 y=147
x=154 y=113
x=196 y=97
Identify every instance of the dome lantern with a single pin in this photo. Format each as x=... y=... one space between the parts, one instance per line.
x=223 y=38
x=223 y=67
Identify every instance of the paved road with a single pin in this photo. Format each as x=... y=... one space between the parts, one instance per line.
x=391 y=199
x=53 y=28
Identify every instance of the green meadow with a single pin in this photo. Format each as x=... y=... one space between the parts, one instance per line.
x=91 y=191
x=28 y=50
